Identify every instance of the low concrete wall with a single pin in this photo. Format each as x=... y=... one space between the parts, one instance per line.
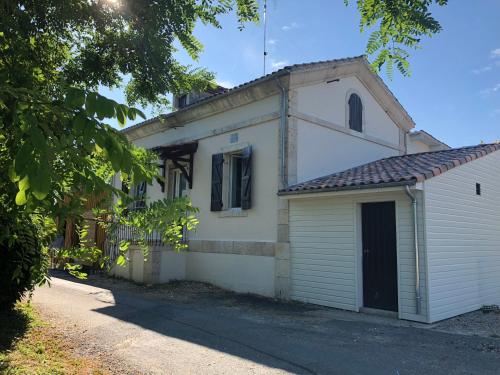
x=121 y=271
x=241 y=273
x=172 y=266
x=133 y=269
x=244 y=268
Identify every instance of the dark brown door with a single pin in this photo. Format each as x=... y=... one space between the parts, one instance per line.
x=380 y=282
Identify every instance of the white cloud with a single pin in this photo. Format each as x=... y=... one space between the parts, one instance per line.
x=484 y=69
x=272 y=42
x=495 y=53
x=275 y=64
x=226 y=84
x=293 y=25
x=490 y=90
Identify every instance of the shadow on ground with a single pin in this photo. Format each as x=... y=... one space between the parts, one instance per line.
x=294 y=337
x=14 y=323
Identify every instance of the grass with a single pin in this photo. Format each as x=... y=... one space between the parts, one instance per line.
x=29 y=345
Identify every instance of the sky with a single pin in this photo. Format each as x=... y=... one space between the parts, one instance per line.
x=454 y=88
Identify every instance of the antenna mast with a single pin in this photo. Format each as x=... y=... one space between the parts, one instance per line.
x=265 y=30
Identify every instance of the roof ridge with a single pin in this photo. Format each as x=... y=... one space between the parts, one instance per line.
x=447 y=150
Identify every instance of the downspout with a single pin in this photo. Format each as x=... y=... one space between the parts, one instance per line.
x=283 y=134
x=415 y=233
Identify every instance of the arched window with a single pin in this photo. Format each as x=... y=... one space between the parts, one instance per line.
x=355 y=113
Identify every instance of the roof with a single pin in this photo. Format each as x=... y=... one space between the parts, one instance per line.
x=423 y=136
x=273 y=75
x=394 y=171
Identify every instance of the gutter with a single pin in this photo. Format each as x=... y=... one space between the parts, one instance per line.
x=415 y=234
x=283 y=132
x=347 y=188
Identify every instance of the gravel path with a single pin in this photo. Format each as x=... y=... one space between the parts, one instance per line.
x=193 y=328
x=476 y=323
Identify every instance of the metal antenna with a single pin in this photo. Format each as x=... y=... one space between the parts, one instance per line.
x=265 y=30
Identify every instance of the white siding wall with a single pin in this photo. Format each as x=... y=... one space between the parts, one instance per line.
x=326 y=264
x=463 y=238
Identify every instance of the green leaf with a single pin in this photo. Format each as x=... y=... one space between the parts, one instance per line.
x=91 y=103
x=132 y=114
x=105 y=108
x=12 y=174
x=23 y=158
x=40 y=181
x=38 y=140
x=79 y=123
x=138 y=112
x=21 y=198
x=121 y=260
x=24 y=183
x=124 y=245
x=121 y=113
x=114 y=151
x=75 y=98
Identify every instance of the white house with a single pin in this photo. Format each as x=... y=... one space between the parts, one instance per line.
x=250 y=158
x=421 y=141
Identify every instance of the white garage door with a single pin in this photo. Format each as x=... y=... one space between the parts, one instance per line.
x=322 y=240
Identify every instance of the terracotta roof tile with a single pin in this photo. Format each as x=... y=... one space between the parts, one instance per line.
x=396 y=170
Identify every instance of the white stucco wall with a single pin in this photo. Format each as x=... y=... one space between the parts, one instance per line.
x=241 y=273
x=260 y=224
x=326 y=251
x=322 y=151
x=328 y=101
x=172 y=265
x=325 y=144
x=205 y=127
x=417 y=146
x=213 y=136
x=463 y=238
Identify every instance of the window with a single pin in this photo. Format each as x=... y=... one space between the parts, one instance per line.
x=140 y=195
x=179 y=184
x=232 y=180
x=235 y=178
x=478 y=189
x=355 y=113
x=182 y=101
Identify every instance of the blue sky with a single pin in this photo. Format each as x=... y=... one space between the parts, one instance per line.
x=454 y=88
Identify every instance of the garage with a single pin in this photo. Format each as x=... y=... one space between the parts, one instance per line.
x=415 y=236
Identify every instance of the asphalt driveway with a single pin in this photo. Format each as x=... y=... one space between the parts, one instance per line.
x=192 y=328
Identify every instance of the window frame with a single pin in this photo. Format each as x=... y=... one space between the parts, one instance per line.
x=182 y=101
x=231 y=179
x=177 y=176
x=349 y=93
x=226 y=210
x=139 y=196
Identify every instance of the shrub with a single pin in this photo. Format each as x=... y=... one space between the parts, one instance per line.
x=24 y=260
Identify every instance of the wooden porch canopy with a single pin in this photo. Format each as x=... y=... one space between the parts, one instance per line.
x=181 y=155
